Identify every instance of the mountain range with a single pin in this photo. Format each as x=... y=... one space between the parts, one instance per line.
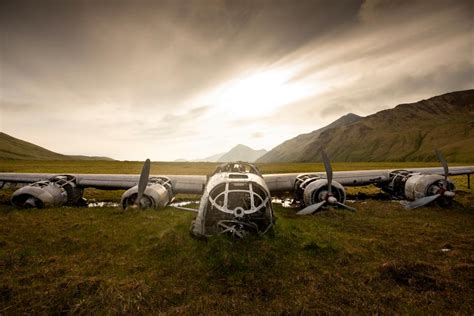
x=408 y=132
x=17 y=149
x=285 y=152
x=243 y=153
x=239 y=152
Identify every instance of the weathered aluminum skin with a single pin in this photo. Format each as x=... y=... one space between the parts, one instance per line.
x=157 y=193
x=278 y=183
x=311 y=196
x=50 y=195
x=419 y=185
x=181 y=183
x=199 y=224
x=194 y=184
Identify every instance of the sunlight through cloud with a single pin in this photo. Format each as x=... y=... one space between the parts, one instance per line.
x=260 y=93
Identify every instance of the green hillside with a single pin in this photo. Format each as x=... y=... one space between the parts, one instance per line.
x=408 y=132
x=285 y=151
x=14 y=148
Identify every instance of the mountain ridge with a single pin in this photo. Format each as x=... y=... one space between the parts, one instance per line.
x=407 y=132
x=282 y=152
x=238 y=152
x=15 y=148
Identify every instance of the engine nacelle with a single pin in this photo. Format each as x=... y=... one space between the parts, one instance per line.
x=418 y=185
x=412 y=186
x=316 y=191
x=53 y=192
x=158 y=193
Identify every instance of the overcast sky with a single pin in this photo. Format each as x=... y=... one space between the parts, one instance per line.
x=188 y=79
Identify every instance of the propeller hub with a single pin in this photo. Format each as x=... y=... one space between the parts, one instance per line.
x=30 y=202
x=331 y=199
x=449 y=194
x=446 y=193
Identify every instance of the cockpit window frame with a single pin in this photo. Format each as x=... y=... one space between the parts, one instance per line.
x=238 y=167
x=254 y=207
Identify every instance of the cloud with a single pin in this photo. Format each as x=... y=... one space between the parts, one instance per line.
x=334 y=109
x=390 y=11
x=257 y=135
x=174 y=125
x=137 y=75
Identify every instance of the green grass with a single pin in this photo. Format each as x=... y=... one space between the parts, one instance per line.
x=382 y=259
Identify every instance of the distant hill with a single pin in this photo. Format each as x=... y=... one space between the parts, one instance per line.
x=285 y=152
x=408 y=132
x=14 y=148
x=239 y=152
x=212 y=158
x=243 y=153
x=82 y=157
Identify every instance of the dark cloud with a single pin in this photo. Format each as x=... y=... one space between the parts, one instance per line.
x=389 y=11
x=149 y=53
x=137 y=72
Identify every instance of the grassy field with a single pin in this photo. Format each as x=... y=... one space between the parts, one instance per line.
x=382 y=259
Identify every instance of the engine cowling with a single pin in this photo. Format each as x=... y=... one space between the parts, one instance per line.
x=412 y=186
x=54 y=192
x=418 y=186
x=158 y=193
x=317 y=190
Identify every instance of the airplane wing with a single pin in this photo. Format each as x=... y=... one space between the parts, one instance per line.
x=190 y=184
x=284 y=182
x=56 y=189
x=194 y=184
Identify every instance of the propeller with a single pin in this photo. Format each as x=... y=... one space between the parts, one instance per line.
x=422 y=201
x=310 y=209
x=329 y=199
x=142 y=182
x=443 y=191
x=328 y=168
x=443 y=162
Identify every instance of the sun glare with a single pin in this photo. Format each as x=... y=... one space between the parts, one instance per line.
x=260 y=93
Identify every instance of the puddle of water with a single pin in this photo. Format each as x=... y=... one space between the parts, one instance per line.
x=184 y=203
x=286 y=203
x=102 y=204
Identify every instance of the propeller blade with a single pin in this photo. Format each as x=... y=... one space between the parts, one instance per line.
x=346 y=206
x=327 y=166
x=142 y=183
x=311 y=208
x=423 y=201
x=443 y=163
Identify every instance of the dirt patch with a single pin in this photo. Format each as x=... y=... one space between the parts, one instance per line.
x=418 y=276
